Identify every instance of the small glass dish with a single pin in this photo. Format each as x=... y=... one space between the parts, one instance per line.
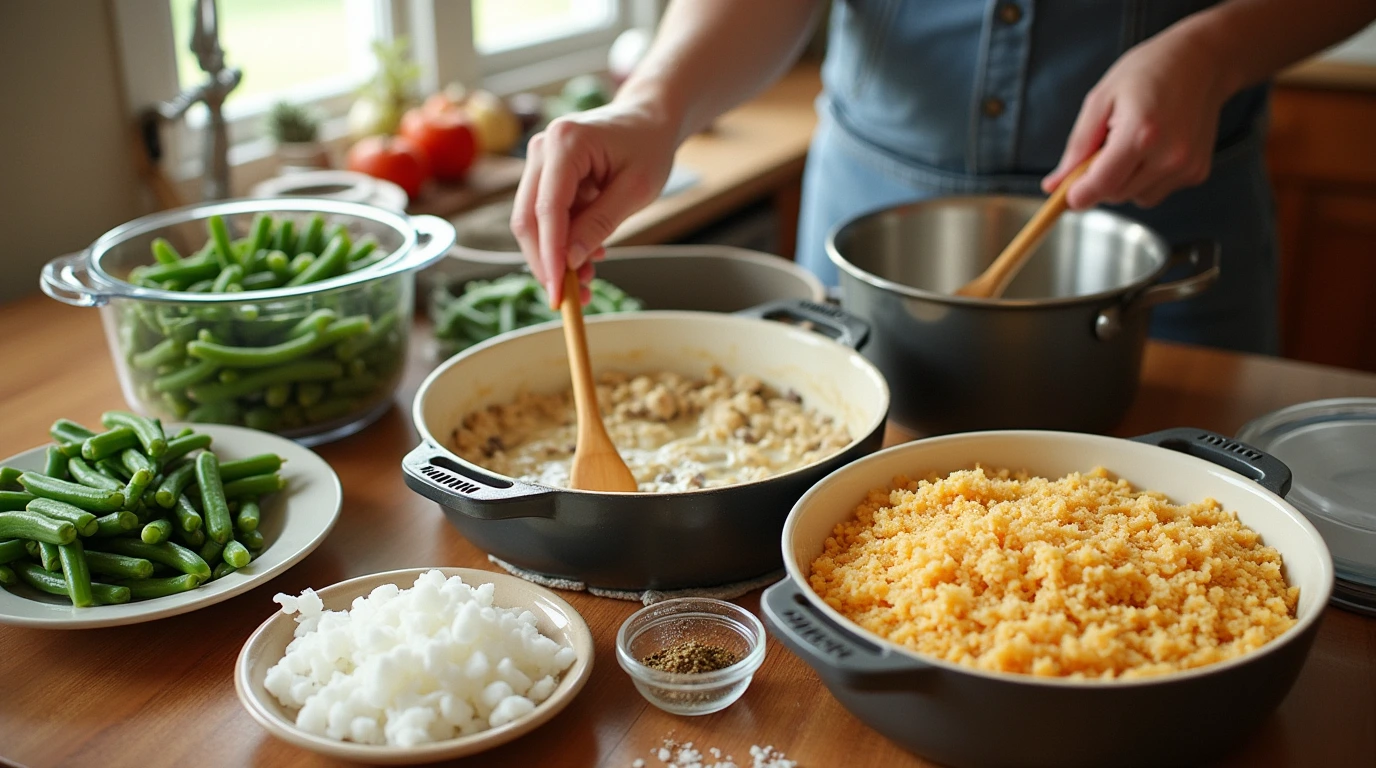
x=671 y=622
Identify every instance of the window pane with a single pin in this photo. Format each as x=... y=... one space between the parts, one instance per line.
x=298 y=50
x=503 y=24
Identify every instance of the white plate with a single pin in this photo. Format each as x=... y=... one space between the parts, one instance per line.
x=295 y=521
x=555 y=619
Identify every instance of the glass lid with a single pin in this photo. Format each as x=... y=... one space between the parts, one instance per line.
x=1330 y=447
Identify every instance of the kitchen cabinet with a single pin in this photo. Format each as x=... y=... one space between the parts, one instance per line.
x=1322 y=157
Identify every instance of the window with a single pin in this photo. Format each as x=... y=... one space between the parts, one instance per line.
x=318 y=52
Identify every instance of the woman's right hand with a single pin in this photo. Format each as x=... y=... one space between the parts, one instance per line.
x=584 y=175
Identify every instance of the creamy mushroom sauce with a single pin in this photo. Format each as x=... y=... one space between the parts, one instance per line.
x=676 y=433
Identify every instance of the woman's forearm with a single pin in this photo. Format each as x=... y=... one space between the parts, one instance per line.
x=1254 y=39
x=710 y=55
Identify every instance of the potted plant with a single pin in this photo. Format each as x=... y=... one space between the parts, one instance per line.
x=297 y=133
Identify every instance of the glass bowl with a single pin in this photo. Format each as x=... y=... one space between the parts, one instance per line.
x=311 y=394
x=670 y=622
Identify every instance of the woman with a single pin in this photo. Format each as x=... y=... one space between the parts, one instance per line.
x=945 y=97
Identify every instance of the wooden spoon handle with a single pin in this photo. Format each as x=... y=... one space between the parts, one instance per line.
x=995 y=278
x=575 y=340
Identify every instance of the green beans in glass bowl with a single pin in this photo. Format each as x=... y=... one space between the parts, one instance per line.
x=289 y=315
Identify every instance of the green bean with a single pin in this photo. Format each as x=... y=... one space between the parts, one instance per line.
x=84 y=521
x=48 y=557
x=184 y=432
x=506 y=316
x=330 y=263
x=41 y=580
x=297 y=371
x=292 y=416
x=193 y=539
x=309 y=393
x=148 y=431
x=116 y=524
x=165 y=351
x=285 y=239
x=132 y=459
x=260 y=234
x=156 y=531
x=77 y=574
x=164 y=253
x=279 y=264
x=210 y=552
x=113 y=470
x=87 y=475
x=229 y=276
x=119 y=566
x=313 y=236
x=260 y=464
x=246 y=521
x=259 y=281
x=316 y=321
x=64 y=431
x=236 y=554
x=363 y=248
x=133 y=491
x=167 y=553
x=328 y=410
x=222 y=570
x=7 y=576
x=352 y=347
x=258 y=357
x=11 y=550
x=192 y=374
x=55 y=464
x=252 y=539
x=365 y=261
x=300 y=263
x=217 y=521
x=188 y=517
x=355 y=385
x=215 y=413
x=187 y=271
x=32 y=525
x=9 y=477
x=277 y=395
x=108 y=443
x=91 y=499
x=256 y=485
x=263 y=418
x=15 y=500
x=173 y=483
x=180 y=446
x=200 y=286
x=147 y=589
x=219 y=234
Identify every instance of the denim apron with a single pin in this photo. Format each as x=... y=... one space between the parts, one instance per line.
x=924 y=98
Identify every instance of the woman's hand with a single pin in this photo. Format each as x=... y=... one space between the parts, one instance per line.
x=1155 y=113
x=584 y=175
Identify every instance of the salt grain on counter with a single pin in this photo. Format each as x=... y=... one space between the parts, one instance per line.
x=411 y=666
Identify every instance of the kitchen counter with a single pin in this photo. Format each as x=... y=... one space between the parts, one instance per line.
x=162 y=693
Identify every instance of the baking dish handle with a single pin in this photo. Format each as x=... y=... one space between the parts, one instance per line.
x=834 y=653
x=65 y=279
x=1201 y=255
x=1268 y=471
x=836 y=323
x=435 y=237
x=431 y=472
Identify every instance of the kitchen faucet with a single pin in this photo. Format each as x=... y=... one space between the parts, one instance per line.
x=205 y=43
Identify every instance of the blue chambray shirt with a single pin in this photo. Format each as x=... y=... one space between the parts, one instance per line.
x=937 y=97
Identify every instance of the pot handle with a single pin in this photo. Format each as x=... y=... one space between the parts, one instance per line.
x=837 y=324
x=434 y=238
x=836 y=654
x=1268 y=471
x=64 y=279
x=1201 y=255
x=433 y=474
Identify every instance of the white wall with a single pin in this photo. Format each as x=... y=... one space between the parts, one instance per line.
x=1358 y=49
x=66 y=168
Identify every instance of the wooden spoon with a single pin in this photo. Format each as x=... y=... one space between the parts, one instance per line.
x=596 y=464
x=996 y=277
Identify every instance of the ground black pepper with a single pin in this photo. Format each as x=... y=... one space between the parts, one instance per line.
x=691 y=657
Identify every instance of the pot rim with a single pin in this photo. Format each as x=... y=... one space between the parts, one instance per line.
x=834 y=254
x=873 y=373
x=855 y=631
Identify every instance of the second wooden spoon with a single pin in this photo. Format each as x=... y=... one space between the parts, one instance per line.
x=996 y=277
x=596 y=464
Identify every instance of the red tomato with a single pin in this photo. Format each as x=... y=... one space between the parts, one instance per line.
x=446 y=138
x=390 y=158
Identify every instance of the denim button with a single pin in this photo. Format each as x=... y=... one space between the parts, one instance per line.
x=1009 y=13
x=992 y=107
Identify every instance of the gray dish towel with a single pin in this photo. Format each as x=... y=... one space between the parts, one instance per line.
x=645 y=597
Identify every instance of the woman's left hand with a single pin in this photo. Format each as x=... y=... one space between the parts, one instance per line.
x=1155 y=114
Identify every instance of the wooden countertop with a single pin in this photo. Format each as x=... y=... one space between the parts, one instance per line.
x=1327 y=74
x=161 y=693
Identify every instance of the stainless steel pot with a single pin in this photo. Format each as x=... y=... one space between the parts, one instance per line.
x=958 y=715
x=641 y=541
x=1061 y=350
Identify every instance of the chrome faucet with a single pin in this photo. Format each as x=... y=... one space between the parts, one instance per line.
x=205 y=43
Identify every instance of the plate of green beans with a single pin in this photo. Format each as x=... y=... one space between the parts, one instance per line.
x=130 y=520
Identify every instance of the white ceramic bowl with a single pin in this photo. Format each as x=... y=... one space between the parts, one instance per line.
x=268 y=644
